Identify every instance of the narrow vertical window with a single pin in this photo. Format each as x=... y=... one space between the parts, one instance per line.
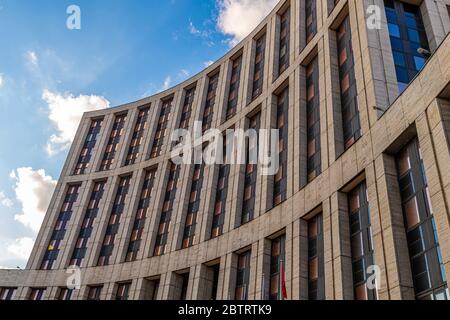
x=87 y=225
x=7 y=293
x=251 y=173
x=233 y=94
x=37 y=294
x=429 y=278
x=361 y=242
x=258 y=74
x=85 y=157
x=187 y=108
x=114 y=221
x=407 y=34
x=141 y=215
x=316 y=269
x=94 y=293
x=283 y=62
x=123 y=291
x=113 y=143
x=314 y=162
x=349 y=101
x=280 y=179
x=193 y=207
x=243 y=276
x=161 y=129
x=59 y=230
x=138 y=136
x=277 y=254
x=311 y=19
x=65 y=294
x=166 y=214
x=221 y=196
x=184 y=279
x=208 y=112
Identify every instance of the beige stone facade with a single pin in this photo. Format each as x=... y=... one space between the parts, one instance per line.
x=388 y=120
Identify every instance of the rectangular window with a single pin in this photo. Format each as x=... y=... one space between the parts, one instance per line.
x=208 y=112
x=258 y=74
x=65 y=294
x=221 y=196
x=251 y=172
x=243 y=276
x=152 y=289
x=316 y=265
x=430 y=282
x=161 y=129
x=187 y=108
x=37 y=294
x=166 y=214
x=89 y=143
x=280 y=179
x=361 y=242
x=193 y=207
x=311 y=19
x=233 y=94
x=7 y=293
x=283 y=62
x=59 y=230
x=184 y=279
x=138 y=136
x=277 y=254
x=123 y=291
x=94 y=293
x=349 y=101
x=141 y=215
x=407 y=34
x=79 y=252
x=113 y=143
x=314 y=162
x=114 y=221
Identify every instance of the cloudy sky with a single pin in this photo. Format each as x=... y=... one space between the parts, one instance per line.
x=50 y=75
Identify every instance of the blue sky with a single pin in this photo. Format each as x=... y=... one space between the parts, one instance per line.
x=50 y=75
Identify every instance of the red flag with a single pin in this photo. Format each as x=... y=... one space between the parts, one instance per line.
x=283 y=282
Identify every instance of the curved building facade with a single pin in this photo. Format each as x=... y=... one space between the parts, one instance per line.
x=363 y=187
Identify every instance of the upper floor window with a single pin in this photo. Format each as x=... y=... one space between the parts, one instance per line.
x=37 y=294
x=243 y=276
x=59 y=230
x=161 y=129
x=138 y=136
x=349 y=100
x=311 y=19
x=407 y=34
x=114 y=138
x=94 y=292
x=284 y=45
x=208 y=112
x=277 y=268
x=233 y=94
x=361 y=242
x=123 y=291
x=258 y=74
x=85 y=157
x=429 y=278
x=80 y=250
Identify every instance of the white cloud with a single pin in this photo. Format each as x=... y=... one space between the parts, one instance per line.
x=66 y=111
x=32 y=57
x=184 y=73
x=167 y=83
x=21 y=248
x=237 y=18
x=206 y=64
x=1 y=80
x=5 y=201
x=34 y=190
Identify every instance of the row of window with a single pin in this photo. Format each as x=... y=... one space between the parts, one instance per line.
x=427 y=268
